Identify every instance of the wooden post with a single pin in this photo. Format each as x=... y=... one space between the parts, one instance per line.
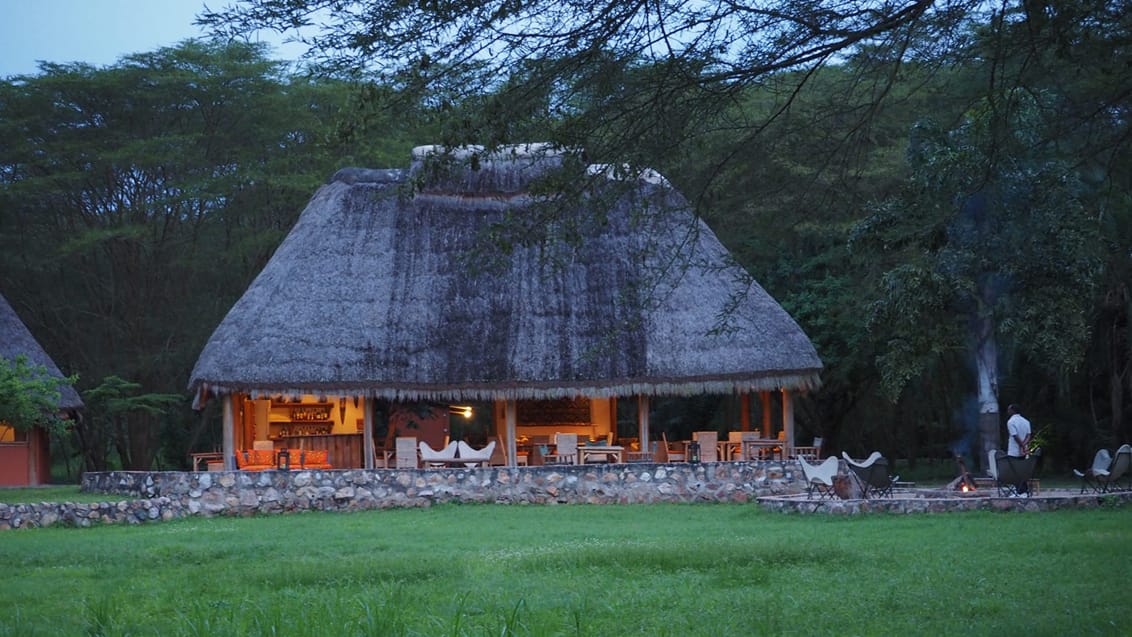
x=510 y=417
x=745 y=411
x=643 y=422
x=228 y=419
x=788 y=421
x=367 y=432
x=765 y=397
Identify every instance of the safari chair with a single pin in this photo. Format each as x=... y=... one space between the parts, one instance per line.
x=1106 y=471
x=474 y=457
x=1095 y=478
x=1125 y=484
x=819 y=477
x=1010 y=471
x=872 y=474
x=437 y=458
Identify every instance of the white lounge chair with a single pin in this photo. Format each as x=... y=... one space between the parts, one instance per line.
x=474 y=457
x=433 y=458
x=819 y=477
x=1106 y=470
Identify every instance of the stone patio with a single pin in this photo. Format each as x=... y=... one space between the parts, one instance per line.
x=905 y=501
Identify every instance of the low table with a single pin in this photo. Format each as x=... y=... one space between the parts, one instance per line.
x=611 y=453
x=207 y=458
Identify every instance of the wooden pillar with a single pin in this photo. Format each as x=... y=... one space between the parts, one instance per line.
x=745 y=411
x=510 y=418
x=367 y=432
x=613 y=418
x=643 y=422
x=228 y=420
x=788 y=420
x=765 y=397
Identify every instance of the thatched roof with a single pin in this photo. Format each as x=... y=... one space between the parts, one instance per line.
x=15 y=339
x=409 y=285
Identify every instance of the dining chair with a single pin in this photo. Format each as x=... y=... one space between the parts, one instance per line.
x=565 y=449
x=709 y=445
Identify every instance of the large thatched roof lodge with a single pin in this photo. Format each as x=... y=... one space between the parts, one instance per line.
x=25 y=454
x=469 y=277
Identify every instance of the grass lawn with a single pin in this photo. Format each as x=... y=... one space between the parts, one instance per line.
x=54 y=493
x=576 y=570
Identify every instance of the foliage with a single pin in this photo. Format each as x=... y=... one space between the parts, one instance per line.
x=119 y=413
x=143 y=197
x=583 y=570
x=29 y=394
x=138 y=201
x=634 y=82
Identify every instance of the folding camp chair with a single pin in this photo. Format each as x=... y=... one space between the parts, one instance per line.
x=819 y=477
x=1012 y=471
x=872 y=474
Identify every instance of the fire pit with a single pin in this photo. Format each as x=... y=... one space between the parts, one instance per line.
x=963 y=484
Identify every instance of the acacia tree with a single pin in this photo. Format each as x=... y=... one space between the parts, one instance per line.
x=628 y=81
x=989 y=245
x=137 y=201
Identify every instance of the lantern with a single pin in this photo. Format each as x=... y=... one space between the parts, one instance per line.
x=693 y=451
x=284 y=460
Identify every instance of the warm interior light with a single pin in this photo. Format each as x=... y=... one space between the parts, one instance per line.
x=460 y=410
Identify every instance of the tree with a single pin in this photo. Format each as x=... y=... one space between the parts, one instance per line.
x=125 y=419
x=137 y=201
x=29 y=394
x=989 y=245
x=631 y=82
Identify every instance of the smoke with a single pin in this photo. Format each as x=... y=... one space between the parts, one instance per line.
x=967 y=419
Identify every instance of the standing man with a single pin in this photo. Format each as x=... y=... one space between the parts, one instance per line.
x=1018 y=429
x=1018 y=446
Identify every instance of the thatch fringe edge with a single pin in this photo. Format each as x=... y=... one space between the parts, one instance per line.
x=795 y=381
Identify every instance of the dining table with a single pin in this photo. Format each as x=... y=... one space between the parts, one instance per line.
x=763 y=448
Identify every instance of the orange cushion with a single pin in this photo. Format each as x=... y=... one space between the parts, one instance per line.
x=264 y=457
x=315 y=457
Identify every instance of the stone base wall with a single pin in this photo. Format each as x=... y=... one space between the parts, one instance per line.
x=170 y=495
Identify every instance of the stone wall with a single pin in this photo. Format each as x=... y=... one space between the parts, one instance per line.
x=176 y=494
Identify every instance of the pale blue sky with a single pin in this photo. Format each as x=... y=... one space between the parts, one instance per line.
x=97 y=32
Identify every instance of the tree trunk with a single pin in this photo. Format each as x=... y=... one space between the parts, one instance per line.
x=986 y=366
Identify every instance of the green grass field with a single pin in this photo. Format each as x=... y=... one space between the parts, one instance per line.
x=576 y=570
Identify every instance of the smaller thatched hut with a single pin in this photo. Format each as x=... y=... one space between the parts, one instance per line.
x=25 y=457
x=471 y=277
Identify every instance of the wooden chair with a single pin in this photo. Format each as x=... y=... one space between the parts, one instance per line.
x=565 y=449
x=709 y=445
x=809 y=453
x=405 y=451
x=671 y=454
x=383 y=453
